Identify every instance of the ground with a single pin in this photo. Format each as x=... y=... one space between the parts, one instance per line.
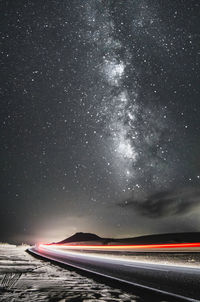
x=25 y=278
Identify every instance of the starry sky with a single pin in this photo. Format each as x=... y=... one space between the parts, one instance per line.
x=100 y=118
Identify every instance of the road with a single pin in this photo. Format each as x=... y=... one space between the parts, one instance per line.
x=177 y=280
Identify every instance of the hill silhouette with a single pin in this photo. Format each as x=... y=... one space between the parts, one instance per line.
x=81 y=237
x=148 y=239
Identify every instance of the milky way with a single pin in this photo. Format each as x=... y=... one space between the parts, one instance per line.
x=140 y=130
x=100 y=121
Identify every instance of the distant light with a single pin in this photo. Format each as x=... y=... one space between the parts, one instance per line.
x=40 y=245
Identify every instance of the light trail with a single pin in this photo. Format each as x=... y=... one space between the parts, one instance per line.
x=126 y=247
x=59 y=250
x=180 y=280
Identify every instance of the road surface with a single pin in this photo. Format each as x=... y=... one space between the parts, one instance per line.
x=177 y=280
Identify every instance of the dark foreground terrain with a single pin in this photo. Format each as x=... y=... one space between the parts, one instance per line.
x=25 y=278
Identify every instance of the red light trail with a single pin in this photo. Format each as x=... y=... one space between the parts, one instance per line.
x=122 y=247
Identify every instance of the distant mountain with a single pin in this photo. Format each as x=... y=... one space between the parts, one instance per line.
x=78 y=237
x=163 y=238
x=89 y=238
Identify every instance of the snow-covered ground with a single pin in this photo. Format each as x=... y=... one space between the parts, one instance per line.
x=25 y=278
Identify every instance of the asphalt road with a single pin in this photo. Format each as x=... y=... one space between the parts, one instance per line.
x=178 y=280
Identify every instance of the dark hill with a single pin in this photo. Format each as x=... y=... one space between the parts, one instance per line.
x=81 y=237
x=149 y=239
x=163 y=238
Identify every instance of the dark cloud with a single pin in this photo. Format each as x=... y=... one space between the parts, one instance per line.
x=165 y=203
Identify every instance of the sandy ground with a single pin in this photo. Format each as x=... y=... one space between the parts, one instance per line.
x=24 y=278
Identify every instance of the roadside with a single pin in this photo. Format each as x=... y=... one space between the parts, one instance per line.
x=25 y=278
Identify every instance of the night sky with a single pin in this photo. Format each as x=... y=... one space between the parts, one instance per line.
x=100 y=118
